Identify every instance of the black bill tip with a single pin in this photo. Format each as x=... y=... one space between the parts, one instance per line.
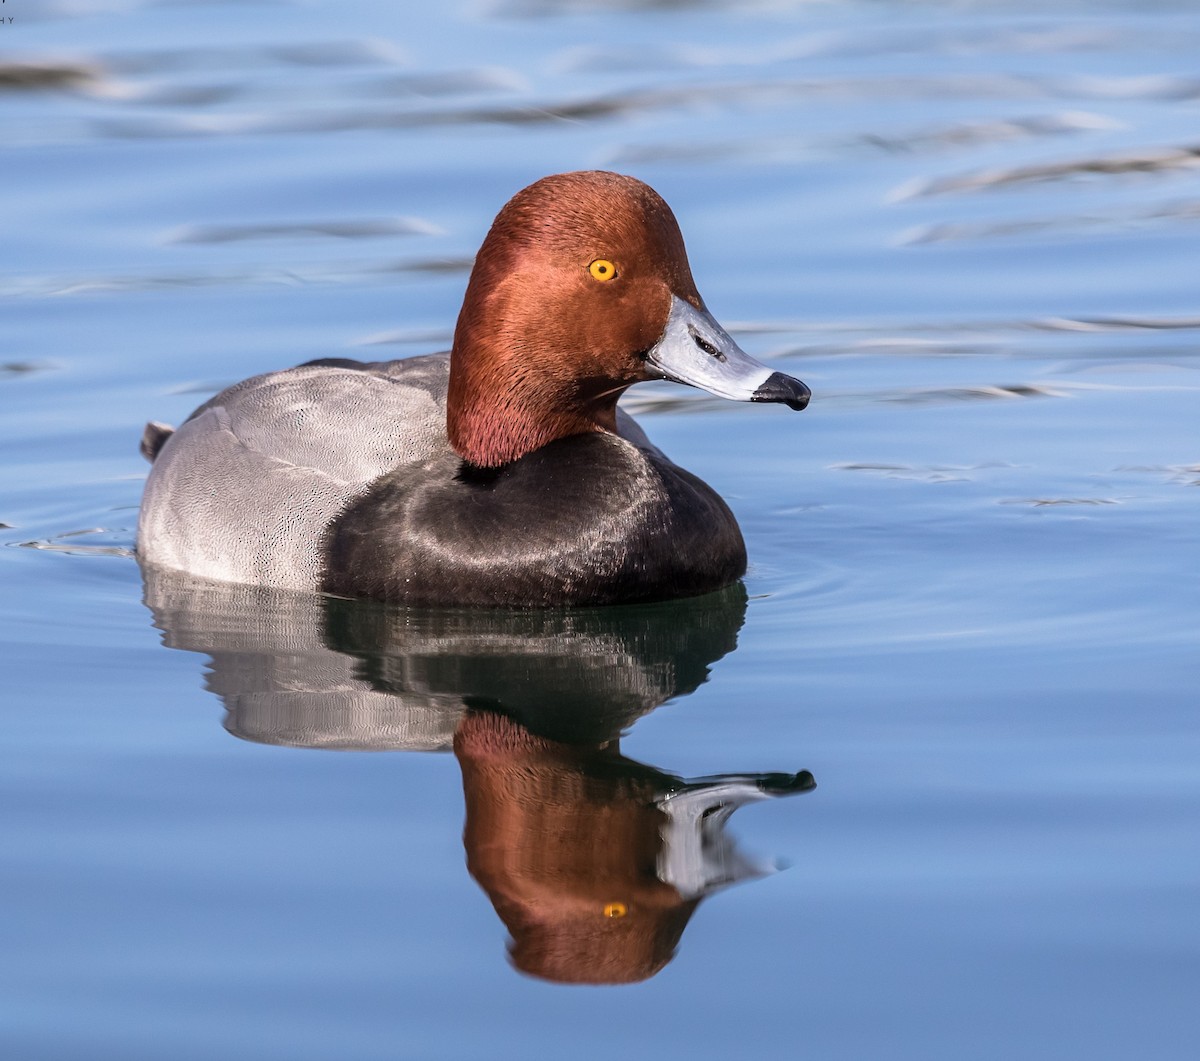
x=780 y=388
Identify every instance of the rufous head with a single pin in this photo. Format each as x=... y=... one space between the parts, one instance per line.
x=582 y=288
x=564 y=839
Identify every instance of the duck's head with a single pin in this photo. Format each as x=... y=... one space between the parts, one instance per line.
x=581 y=289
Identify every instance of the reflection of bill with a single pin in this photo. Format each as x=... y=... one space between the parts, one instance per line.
x=593 y=861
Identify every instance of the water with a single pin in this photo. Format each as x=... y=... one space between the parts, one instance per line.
x=972 y=605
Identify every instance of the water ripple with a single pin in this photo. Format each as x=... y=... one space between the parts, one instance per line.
x=23 y=368
x=639 y=101
x=1115 y=324
x=1178 y=474
x=981 y=393
x=1113 y=221
x=441 y=337
x=919 y=336
x=926 y=474
x=327 y=273
x=364 y=229
x=1049 y=502
x=865 y=43
x=173 y=61
x=46 y=75
x=67 y=543
x=1154 y=160
x=783 y=148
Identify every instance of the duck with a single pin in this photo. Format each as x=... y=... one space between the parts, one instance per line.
x=499 y=474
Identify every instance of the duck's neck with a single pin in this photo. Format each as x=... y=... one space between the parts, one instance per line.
x=499 y=408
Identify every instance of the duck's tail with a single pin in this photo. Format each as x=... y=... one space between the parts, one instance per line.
x=154 y=438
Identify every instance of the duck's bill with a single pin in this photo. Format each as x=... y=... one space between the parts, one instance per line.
x=696 y=350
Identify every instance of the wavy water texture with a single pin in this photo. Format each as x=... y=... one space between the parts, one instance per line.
x=330 y=273
x=971 y=604
x=1156 y=160
x=356 y=229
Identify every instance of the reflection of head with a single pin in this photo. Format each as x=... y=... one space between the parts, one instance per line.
x=565 y=841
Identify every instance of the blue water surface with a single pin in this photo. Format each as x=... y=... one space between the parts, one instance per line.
x=233 y=823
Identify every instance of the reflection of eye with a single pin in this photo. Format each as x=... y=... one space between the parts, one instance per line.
x=602 y=269
x=614 y=909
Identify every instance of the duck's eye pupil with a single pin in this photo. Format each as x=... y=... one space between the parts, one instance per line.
x=602 y=269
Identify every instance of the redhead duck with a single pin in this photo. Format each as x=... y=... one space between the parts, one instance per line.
x=500 y=474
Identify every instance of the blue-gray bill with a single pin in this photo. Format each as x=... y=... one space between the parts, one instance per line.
x=696 y=350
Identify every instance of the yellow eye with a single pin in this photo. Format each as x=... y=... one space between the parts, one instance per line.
x=602 y=269
x=614 y=910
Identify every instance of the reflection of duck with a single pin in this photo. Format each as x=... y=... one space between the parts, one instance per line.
x=301 y=669
x=593 y=861
x=501 y=474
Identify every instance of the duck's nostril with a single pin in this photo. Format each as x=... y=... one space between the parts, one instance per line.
x=706 y=346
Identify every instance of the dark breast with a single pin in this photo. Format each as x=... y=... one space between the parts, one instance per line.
x=585 y=520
